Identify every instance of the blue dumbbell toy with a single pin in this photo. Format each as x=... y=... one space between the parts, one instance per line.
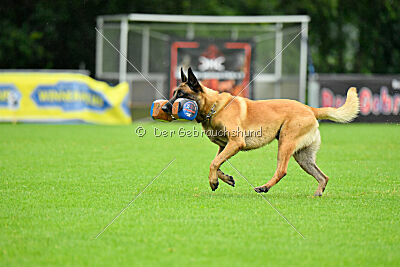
x=184 y=109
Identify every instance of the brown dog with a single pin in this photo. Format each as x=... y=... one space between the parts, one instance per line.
x=231 y=121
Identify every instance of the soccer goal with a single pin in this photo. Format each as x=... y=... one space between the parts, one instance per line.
x=259 y=57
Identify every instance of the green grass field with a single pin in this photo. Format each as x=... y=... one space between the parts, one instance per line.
x=62 y=184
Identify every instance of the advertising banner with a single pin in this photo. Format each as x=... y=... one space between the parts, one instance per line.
x=224 y=66
x=61 y=97
x=379 y=95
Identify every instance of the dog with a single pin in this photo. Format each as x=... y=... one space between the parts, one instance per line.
x=292 y=123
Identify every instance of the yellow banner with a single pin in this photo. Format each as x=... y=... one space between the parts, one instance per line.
x=61 y=97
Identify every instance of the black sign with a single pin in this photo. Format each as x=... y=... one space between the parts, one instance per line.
x=379 y=95
x=224 y=66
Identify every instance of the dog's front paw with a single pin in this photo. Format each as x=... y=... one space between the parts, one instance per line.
x=230 y=181
x=214 y=185
x=226 y=178
x=261 y=189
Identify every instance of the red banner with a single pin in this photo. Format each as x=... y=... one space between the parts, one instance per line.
x=379 y=95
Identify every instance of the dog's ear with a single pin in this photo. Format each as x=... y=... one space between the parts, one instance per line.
x=193 y=83
x=183 y=76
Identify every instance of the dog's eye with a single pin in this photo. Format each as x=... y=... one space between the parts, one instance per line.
x=180 y=94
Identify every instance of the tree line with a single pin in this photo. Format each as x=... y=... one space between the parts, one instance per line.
x=344 y=36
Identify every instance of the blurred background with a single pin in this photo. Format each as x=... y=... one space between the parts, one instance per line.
x=311 y=51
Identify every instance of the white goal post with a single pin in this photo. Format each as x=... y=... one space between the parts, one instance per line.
x=143 y=40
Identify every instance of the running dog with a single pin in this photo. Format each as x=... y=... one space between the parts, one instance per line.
x=292 y=123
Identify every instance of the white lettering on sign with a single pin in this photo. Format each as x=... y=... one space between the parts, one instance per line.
x=211 y=63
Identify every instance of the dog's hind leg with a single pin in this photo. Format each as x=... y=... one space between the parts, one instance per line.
x=221 y=175
x=306 y=159
x=293 y=134
x=285 y=151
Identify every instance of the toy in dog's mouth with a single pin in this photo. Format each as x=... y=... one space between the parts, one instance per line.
x=182 y=109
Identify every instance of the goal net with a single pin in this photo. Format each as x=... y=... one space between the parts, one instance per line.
x=260 y=57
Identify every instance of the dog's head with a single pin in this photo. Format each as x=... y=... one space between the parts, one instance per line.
x=189 y=88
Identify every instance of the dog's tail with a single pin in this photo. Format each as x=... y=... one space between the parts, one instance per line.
x=345 y=113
